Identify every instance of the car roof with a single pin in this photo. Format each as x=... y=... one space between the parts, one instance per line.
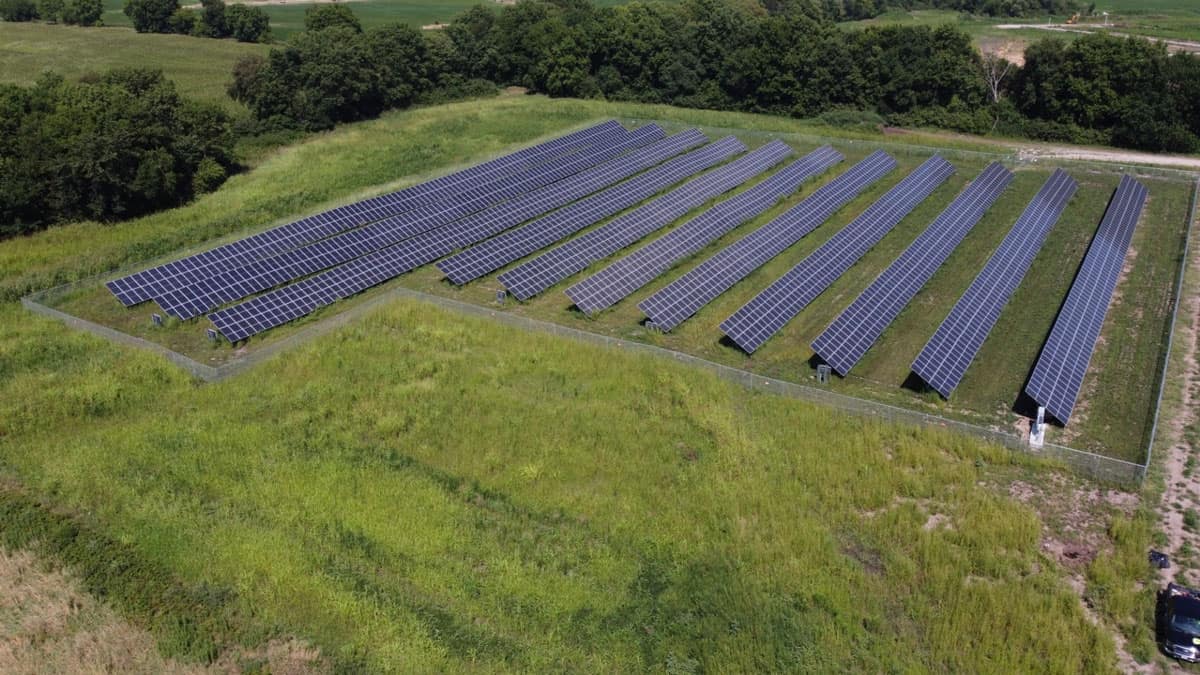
x=1187 y=604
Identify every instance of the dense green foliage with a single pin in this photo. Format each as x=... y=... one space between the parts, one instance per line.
x=18 y=10
x=721 y=55
x=113 y=146
x=320 y=17
x=335 y=74
x=215 y=19
x=1129 y=92
x=151 y=16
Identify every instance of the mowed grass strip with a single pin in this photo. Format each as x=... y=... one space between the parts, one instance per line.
x=201 y=68
x=423 y=491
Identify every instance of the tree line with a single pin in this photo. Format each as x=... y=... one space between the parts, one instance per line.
x=72 y=12
x=111 y=146
x=783 y=58
x=215 y=19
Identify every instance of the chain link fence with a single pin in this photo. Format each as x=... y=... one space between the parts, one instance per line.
x=1098 y=467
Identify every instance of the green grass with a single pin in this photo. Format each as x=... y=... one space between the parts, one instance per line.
x=423 y=492
x=1119 y=395
x=420 y=491
x=200 y=67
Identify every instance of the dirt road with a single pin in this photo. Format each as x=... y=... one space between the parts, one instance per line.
x=1172 y=45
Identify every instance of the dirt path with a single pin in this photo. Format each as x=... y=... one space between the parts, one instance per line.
x=1030 y=151
x=196 y=5
x=1182 y=493
x=1184 y=46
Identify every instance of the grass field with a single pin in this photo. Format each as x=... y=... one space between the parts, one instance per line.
x=1120 y=394
x=345 y=493
x=200 y=68
x=423 y=492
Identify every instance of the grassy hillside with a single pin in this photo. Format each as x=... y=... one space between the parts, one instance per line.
x=423 y=492
x=200 y=68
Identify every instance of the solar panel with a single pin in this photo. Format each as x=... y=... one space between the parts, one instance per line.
x=620 y=279
x=1061 y=367
x=511 y=246
x=770 y=310
x=535 y=276
x=858 y=327
x=429 y=246
x=675 y=302
x=945 y=358
x=192 y=301
x=144 y=285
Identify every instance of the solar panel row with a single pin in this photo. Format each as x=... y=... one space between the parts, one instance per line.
x=770 y=310
x=289 y=302
x=511 y=246
x=430 y=246
x=194 y=300
x=146 y=284
x=494 y=221
x=620 y=279
x=535 y=276
x=945 y=358
x=849 y=337
x=1061 y=367
x=674 y=303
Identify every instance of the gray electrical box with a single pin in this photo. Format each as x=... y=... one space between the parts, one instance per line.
x=823 y=372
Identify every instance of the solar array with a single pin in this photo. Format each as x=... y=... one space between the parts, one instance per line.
x=194 y=300
x=535 y=276
x=289 y=302
x=620 y=279
x=1064 y=360
x=145 y=285
x=432 y=245
x=945 y=358
x=511 y=246
x=849 y=337
x=674 y=303
x=498 y=212
x=770 y=310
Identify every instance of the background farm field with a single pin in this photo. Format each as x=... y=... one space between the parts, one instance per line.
x=201 y=68
x=1119 y=395
x=287 y=16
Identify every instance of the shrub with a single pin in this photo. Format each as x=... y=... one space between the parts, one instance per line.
x=247 y=24
x=50 y=10
x=333 y=15
x=18 y=10
x=116 y=145
x=183 y=22
x=212 y=19
x=208 y=177
x=151 y=16
x=83 y=12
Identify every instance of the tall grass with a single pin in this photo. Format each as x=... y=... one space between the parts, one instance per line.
x=421 y=491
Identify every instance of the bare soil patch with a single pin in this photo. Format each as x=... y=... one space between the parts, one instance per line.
x=48 y=624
